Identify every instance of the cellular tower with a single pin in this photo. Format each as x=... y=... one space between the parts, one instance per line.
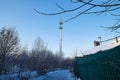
x=60 y=28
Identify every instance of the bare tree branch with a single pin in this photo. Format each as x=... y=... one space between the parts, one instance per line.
x=115 y=14
x=60 y=7
x=90 y=7
x=102 y=11
x=65 y=11
x=100 y=5
x=80 y=14
x=114 y=27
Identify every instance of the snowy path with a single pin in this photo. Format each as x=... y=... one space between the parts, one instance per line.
x=56 y=75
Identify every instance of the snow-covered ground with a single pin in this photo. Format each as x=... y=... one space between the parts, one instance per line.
x=22 y=75
x=102 y=48
x=55 y=75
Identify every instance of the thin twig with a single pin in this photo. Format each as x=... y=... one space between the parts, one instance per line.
x=79 y=14
x=102 y=11
x=60 y=7
x=100 y=5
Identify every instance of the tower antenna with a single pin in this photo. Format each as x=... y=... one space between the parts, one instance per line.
x=60 y=28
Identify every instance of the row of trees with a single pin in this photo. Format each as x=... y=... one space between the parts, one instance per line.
x=15 y=59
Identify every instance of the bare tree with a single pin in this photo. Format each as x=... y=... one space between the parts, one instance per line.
x=39 y=44
x=8 y=44
x=91 y=7
x=43 y=60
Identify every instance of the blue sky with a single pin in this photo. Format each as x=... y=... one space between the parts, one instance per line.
x=77 y=34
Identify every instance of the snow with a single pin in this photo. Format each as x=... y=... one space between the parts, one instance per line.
x=33 y=74
x=101 y=48
x=26 y=74
x=57 y=75
x=9 y=77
